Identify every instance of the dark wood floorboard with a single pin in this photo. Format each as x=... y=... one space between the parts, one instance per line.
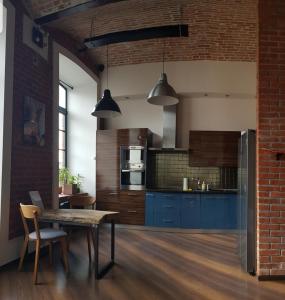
x=149 y=265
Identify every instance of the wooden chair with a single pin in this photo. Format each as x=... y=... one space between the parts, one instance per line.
x=36 y=199
x=31 y=212
x=84 y=202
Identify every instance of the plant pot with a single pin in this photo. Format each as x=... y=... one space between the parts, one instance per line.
x=69 y=189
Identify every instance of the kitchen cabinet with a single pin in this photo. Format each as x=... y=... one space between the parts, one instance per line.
x=168 y=210
x=132 y=207
x=130 y=204
x=195 y=211
x=162 y=209
x=213 y=148
x=190 y=211
x=150 y=209
x=219 y=211
x=213 y=212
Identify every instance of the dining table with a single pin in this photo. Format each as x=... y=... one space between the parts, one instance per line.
x=88 y=218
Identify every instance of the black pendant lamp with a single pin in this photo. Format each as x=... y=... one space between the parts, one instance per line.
x=163 y=93
x=106 y=107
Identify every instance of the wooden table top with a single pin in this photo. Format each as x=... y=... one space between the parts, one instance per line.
x=75 y=216
x=68 y=196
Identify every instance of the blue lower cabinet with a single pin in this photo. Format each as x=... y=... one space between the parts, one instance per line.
x=196 y=211
x=212 y=211
x=150 y=209
x=219 y=211
x=231 y=207
x=167 y=210
x=190 y=211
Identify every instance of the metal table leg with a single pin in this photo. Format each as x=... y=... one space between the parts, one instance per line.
x=100 y=273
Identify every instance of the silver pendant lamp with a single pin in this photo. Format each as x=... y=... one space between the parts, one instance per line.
x=106 y=107
x=163 y=93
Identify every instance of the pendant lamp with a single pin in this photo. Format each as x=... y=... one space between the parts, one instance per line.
x=106 y=107
x=163 y=93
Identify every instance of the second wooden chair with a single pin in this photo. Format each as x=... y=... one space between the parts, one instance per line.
x=84 y=202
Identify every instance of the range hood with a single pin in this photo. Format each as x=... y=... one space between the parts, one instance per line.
x=169 y=131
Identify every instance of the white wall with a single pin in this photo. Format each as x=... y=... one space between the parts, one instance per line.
x=81 y=146
x=9 y=248
x=229 y=103
x=81 y=137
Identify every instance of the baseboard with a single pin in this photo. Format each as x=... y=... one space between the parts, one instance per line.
x=176 y=230
x=271 y=277
x=28 y=257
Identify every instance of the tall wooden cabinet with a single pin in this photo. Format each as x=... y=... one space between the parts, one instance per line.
x=130 y=204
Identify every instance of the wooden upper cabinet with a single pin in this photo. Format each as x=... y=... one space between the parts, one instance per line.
x=213 y=148
x=134 y=137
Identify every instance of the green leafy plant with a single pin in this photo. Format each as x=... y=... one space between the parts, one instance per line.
x=77 y=179
x=66 y=177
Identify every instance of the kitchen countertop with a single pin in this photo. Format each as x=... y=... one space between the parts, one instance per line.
x=216 y=191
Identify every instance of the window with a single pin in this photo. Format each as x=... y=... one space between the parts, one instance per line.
x=62 y=128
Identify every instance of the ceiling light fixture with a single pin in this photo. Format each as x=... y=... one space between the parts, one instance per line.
x=106 y=107
x=163 y=93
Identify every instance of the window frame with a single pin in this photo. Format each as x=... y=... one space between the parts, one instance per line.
x=64 y=111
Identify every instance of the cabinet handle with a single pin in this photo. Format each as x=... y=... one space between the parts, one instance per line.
x=168 y=206
x=167 y=221
x=132 y=211
x=130 y=194
x=113 y=193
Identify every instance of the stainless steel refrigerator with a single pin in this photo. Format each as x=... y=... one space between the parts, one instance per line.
x=247 y=201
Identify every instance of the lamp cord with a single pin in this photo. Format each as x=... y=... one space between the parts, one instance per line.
x=91 y=27
x=107 y=66
x=163 y=56
x=181 y=14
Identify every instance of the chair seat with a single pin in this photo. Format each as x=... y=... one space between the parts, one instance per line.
x=48 y=233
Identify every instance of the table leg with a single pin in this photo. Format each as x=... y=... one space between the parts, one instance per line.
x=100 y=273
x=113 y=241
x=96 y=249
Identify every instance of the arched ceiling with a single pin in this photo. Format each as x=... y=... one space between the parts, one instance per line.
x=221 y=30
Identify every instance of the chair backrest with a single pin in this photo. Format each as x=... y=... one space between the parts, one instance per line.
x=37 y=199
x=30 y=212
x=82 y=201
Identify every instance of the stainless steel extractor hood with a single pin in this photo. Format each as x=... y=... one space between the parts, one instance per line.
x=169 y=131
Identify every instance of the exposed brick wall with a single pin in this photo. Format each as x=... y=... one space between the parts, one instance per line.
x=224 y=30
x=271 y=137
x=31 y=166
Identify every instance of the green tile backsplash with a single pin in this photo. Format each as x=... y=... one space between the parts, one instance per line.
x=167 y=170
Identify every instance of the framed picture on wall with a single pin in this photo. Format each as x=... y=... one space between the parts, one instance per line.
x=34 y=122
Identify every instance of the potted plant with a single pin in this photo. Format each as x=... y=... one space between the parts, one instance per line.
x=69 y=182
x=77 y=179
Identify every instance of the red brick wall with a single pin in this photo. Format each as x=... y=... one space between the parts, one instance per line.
x=31 y=166
x=271 y=137
x=223 y=30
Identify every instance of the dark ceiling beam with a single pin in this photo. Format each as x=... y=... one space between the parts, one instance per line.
x=137 y=35
x=73 y=10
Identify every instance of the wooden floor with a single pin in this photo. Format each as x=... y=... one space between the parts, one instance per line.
x=150 y=265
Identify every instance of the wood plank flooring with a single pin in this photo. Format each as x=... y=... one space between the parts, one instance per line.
x=149 y=265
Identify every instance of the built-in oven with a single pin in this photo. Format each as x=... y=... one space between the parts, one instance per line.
x=133 y=167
